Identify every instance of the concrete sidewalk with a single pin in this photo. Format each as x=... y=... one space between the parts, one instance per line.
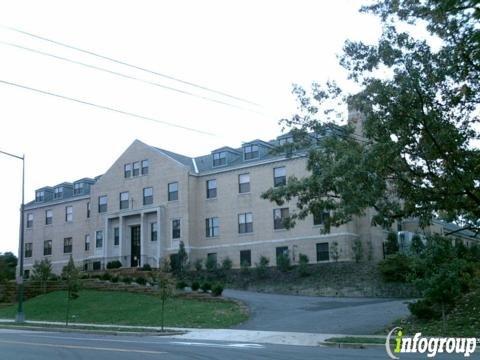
x=262 y=337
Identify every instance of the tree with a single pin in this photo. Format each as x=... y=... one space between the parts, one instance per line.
x=8 y=264
x=357 y=249
x=166 y=289
x=417 y=246
x=42 y=272
x=71 y=276
x=182 y=257
x=409 y=150
x=335 y=251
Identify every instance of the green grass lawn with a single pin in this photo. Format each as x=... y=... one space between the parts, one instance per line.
x=122 y=308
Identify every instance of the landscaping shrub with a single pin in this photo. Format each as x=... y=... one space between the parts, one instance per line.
x=261 y=266
x=217 y=290
x=195 y=286
x=396 y=268
x=114 y=264
x=245 y=268
x=198 y=264
x=227 y=264
x=423 y=309
x=211 y=264
x=114 y=279
x=303 y=265
x=146 y=267
x=391 y=245
x=206 y=286
x=141 y=280
x=106 y=276
x=283 y=262
x=181 y=285
x=127 y=279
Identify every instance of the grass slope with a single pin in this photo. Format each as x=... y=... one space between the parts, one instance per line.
x=103 y=307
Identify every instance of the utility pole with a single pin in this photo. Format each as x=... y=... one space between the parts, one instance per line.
x=20 y=317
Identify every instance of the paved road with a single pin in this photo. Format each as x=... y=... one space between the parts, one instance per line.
x=318 y=314
x=30 y=345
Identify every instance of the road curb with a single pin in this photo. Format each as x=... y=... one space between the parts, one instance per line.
x=350 y=345
x=91 y=331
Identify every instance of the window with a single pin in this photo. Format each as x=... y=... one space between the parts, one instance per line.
x=320 y=219
x=243 y=183
x=281 y=251
x=245 y=223
x=147 y=196
x=26 y=274
x=279 y=216
x=245 y=258
x=176 y=229
x=77 y=188
x=87 y=242
x=136 y=168
x=40 y=196
x=124 y=200
x=47 y=247
x=28 y=250
x=102 y=203
x=97 y=265
x=88 y=209
x=48 y=217
x=279 y=176
x=68 y=213
x=211 y=227
x=67 y=245
x=250 y=152
x=116 y=236
x=127 y=170
x=144 y=167
x=153 y=231
x=323 y=254
x=58 y=192
x=29 y=220
x=220 y=158
x=99 y=239
x=211 y=189
x=173 y=191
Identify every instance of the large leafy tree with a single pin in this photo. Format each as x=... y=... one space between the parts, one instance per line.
x=417 y=153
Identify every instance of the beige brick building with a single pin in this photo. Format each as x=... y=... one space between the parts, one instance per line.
x=151 y=199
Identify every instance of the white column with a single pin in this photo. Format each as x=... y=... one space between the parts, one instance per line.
x=142 y=238
x=105 y=242
x=120 y=235
x=159 y=237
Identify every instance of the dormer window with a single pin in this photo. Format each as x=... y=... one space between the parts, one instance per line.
x=77 y=188
x=220 y=158
x=285 y=140
x=58 y=192
x=40 y=196
x=250 y=152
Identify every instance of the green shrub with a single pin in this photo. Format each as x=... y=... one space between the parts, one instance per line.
x=181 y=285
x=114 y=279
x=227 y=264
x=217 y=290
x=141 y=280
x=195 y=286
x=106 y=276
x=303 y=265
x=283 y=262
x=396 y=268
x=417 y=246
x=261 y=266
x=206 y=286
x=114 y=264
x=146 y=267
x=391 y=244
x=211 y=264
x=245 y=268
x=423 y=309
x=127 y=279
x=198 y=264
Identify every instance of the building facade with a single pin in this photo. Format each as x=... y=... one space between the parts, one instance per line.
x=151 y=199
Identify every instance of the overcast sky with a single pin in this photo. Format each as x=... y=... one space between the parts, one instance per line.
x=253 y=50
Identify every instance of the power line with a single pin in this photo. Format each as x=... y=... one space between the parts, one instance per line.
x=104 y=107
x=184 y=92
x=132 y=66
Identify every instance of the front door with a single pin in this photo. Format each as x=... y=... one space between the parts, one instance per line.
x=135 y=254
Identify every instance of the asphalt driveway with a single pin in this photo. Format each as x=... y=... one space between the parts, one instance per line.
x=318 y=314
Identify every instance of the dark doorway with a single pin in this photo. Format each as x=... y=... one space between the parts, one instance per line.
x=135 y=253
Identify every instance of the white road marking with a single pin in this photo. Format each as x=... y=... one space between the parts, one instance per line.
x=236 y=345
x=82 y=347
